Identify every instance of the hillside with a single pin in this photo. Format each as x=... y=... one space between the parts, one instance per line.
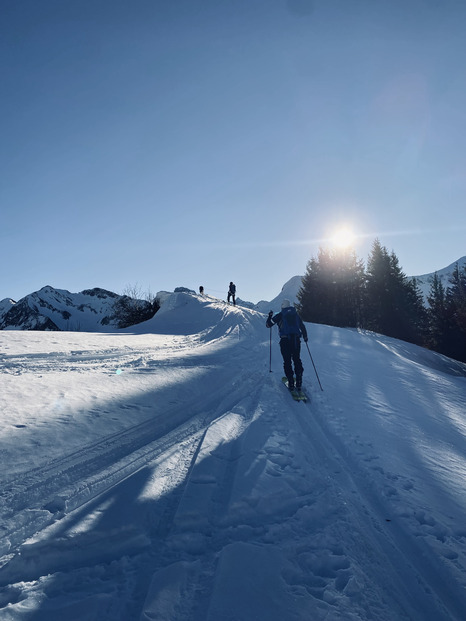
x=424 y=280
x=92 y=310
x=289 y=291
x=163 y=473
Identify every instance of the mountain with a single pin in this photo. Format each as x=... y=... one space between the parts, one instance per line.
x=5 y=306
x=92 y=310
x=424 y=281
x=289 y=291
x=165 y=474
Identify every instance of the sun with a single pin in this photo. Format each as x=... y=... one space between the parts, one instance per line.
x=343 y=238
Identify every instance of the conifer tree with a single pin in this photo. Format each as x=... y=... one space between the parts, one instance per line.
x=437 y=314
x=378 y=307
x=417 y=313
x=331 y=289
x=393 y=304
x=312 y=296
x=456 y=312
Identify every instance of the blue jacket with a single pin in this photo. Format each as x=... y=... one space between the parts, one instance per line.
x=289 y=323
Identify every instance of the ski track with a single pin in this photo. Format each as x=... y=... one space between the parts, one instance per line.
x=193 y=529
x=421 y=582
x=40 y=496
x=39 y=503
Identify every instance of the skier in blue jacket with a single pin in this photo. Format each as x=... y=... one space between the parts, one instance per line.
x=290 y=329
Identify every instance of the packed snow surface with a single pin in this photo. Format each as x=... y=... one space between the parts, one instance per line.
x=165 y=474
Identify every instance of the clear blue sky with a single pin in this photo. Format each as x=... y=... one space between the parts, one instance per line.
x=186 y=142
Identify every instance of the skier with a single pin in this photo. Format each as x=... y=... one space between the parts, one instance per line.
x=201 y=290
x=232 y=293
x=290 y=329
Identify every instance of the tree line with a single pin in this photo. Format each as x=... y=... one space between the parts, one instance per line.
x=338 y=289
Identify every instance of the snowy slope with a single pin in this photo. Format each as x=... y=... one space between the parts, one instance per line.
x=424 y=281
x=5 y=306
x=289 y=291
x=57 y=309
x=165 y=474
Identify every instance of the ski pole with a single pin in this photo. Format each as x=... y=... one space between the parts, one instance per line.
x=270 y=347
x=317 y=375
x=270 y=360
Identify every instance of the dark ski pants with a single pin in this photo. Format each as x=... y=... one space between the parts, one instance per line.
x=231 y=295
x=290 y=346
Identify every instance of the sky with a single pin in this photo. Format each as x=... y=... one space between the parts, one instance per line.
x=132 y=493
x=160 y=144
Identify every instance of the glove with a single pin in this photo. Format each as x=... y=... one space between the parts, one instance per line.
x=305 y=339
x=270 y=314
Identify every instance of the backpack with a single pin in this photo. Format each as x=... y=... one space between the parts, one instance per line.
x=290 y=323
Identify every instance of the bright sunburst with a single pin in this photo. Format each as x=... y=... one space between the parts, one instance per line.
x=343 y=238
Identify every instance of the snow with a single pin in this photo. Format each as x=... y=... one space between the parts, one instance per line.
x=163 y=473
x=58 y=309
x=289 y=291
x=424 y=281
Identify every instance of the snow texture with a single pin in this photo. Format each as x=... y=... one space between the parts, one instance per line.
x=52 y=309
x=425 y=280
x=289 y=292
x=164 y=473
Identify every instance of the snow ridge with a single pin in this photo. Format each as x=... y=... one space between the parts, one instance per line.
x=52 y=309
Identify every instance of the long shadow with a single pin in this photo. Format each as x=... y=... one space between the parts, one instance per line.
x=118 y=535
x=73 y=540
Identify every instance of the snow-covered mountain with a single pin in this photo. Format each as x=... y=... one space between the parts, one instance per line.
x=424 y=281
x=92 y=310
x=289 y=291
x=165 y=474
x=5 y=306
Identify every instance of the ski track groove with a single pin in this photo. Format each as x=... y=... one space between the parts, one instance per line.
x=198 y=604
x=38 y=497
x=163 y=550
x=391 y=539
x=45 y=495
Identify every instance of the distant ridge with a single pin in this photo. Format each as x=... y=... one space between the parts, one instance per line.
x=424 y=281
x=91 y=310
x=289 y=291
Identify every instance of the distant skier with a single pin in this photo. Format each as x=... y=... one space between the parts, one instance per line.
x=201 y=290
x=232 y=293
x=290 y=329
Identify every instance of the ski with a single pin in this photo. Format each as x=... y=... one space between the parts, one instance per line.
x=297 y=395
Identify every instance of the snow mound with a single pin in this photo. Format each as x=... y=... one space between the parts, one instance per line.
x=183 y=313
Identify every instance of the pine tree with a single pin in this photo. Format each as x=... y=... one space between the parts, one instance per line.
x=331 y=289
x=378 y=307
x=393 y=303
x=417 y=313
x=438 y=323
x=307 y=294
x=456 y=312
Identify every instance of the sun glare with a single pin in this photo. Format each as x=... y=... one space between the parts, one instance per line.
x=343 y=238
